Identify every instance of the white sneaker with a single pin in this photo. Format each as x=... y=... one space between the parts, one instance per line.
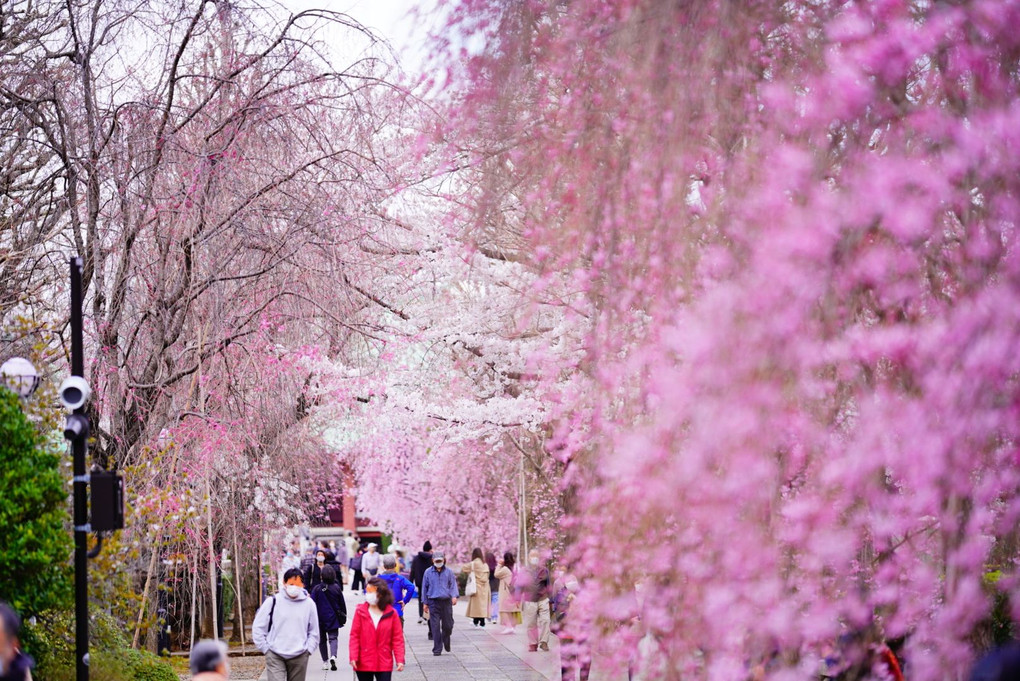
x=325 y=665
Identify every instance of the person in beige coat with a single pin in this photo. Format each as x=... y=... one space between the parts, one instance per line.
x=478 y=604
x=509 y=607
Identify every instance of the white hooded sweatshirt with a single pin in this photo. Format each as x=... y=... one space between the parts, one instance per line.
x=295 y=626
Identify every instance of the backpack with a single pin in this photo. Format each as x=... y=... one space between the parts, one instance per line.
x=272 y=609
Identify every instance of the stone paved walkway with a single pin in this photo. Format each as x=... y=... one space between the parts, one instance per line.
x=477 y=654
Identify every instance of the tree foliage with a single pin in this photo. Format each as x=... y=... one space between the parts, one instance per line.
x=34 y=569
x=793 y=226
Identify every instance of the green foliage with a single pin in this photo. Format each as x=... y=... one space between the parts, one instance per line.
x=111 y=657
x=34 y=565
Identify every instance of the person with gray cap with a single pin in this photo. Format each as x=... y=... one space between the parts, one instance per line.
x=403 y=590
x=209 y=661
x=439 y=590
x=14 y=664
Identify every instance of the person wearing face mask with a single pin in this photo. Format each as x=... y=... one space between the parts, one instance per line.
x=439 y=590
x=575 y=655
x=377 y=637
x=370 y=562
x=286 y=630
x=291 y=560
x=533 y=590
x=14 y=664
x=313 y=575
x=332 y=610
x=208 y=661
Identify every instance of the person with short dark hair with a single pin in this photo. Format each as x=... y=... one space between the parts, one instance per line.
x=402 y=589
x=14 y=664
x=357 y=579
x=439 y=590
x=332 y=610
x=313 y=575
x=208 y=661
x=377 y=637
x=286 y=630
x=419 y=564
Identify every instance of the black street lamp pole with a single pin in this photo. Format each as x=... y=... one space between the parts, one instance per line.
x=79 y=450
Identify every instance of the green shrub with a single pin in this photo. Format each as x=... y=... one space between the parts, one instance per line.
x=112 y=659
x=35 y=570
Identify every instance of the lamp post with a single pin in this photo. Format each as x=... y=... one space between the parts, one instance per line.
x=20 y=376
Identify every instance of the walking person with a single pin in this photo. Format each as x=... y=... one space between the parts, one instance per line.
x=419 y=564
x=377 y=637
x=208 y=661
x=14 y=664
x=370 y=562
x=343 y=561
x=533 y=586
x=575 y=656
x=313 y=575
x=332 y=612
x=478 y=602
x=286 y=630
x=509 y=604
x=403 y=590
x=439 y=590
x=357 y=579
x=490 y=560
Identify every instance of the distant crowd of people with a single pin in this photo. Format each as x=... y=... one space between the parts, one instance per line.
x=307 y=614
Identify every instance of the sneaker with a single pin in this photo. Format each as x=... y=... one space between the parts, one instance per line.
x=421 y=620
x=332 y=663
x=532 y=648
x=325 y=665
x=446 y=646
x=543 y=646
x=437 y=654
x=507 y=631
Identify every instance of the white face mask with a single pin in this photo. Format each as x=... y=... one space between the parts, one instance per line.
x=293 y=590
x=439 y=565
x=372 y=598
x=321 y=559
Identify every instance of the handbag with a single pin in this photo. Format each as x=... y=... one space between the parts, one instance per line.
x=471 y=587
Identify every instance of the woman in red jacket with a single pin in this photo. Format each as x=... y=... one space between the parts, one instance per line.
x=376 y=635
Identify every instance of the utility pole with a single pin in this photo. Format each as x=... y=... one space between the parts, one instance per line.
x=79 y=450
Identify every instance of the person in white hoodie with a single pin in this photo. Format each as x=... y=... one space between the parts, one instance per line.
x=286 y=630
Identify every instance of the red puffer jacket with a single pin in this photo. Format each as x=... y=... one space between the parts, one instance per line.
x=374 y=647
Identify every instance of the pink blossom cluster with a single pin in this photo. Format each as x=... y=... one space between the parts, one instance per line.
x=793 y=229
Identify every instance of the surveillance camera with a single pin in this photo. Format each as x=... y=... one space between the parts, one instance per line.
x=76 y=427
x=74 y=392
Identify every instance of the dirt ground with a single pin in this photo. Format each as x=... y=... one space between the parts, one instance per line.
x=241 y=669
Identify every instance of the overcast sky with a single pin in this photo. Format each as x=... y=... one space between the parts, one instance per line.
x=392 y=19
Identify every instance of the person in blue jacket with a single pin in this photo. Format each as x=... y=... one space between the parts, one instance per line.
x=402 y=588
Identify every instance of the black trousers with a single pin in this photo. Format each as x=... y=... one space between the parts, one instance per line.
x=375 y=676
x=357 y=581
x=421 y=602
x=441 y=623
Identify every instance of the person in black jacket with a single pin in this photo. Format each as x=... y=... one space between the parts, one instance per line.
x=329 y=603
x=419 y=564
x=14 y=664
x=357 y=580
x=313 y=575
